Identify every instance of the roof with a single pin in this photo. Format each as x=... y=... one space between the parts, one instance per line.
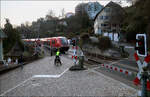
x=2 y=34
x=109 y=4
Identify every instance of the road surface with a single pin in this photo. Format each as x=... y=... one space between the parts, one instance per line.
x=42 y=78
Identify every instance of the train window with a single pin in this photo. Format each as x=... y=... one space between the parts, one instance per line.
x=53 y=41
x=63 y=41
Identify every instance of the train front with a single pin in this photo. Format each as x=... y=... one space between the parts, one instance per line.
x=64 y=44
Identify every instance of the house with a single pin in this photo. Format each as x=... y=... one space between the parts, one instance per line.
x=109 y=20
x=91 y=8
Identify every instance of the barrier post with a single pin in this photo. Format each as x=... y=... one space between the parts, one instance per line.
x=144 y=84
x=78 y=66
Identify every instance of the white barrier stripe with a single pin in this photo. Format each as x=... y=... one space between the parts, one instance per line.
x=115 y=68
x=130 y=73
x=139 y=64
x=124 y=71
x=139 y=76
x=145 y=64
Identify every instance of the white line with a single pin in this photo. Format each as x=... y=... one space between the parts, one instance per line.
x=16 y=86
x=63 y=72
x=48 y=76
x=35 y=76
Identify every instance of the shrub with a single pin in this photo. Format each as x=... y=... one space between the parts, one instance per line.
x=84 y=39
x=104 y=43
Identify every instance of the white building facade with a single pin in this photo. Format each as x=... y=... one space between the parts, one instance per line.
x=104 y=24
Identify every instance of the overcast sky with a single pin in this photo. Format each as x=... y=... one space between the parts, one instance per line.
x=20 y=11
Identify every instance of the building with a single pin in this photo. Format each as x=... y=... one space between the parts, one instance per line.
x=109 y=20
x=69 y=14
x=91 y=8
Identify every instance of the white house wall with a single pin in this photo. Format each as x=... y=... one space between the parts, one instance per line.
x=98 y=22
x=111 y=36
x=116 y=37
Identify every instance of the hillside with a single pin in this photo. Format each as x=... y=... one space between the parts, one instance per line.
x=137 y=19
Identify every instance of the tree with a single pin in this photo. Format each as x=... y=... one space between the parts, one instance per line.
x=63 y=13
x=50 y=15
x=13 y=36
x=80 y=8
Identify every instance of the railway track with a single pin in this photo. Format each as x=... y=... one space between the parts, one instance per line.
x=100 y=56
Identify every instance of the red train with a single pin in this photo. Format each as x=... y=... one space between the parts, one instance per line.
x=51 y=42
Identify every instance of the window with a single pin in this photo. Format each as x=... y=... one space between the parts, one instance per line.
x=107 y=9
x=106 y=17
x=95 y=8
x=101 y=17
x=63 y=41
x=53 y=41
x=105 y=24
x=114 y=25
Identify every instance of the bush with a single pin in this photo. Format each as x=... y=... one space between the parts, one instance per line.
x=26 y=54
x=104 y=43
x=84 y=36
x=84 y=39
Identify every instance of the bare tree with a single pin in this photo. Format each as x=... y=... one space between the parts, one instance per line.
x=63 y=13
x=50 y=15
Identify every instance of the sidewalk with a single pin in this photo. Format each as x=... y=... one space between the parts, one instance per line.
x=9 y=66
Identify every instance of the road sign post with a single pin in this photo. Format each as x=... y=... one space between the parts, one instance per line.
x=142 y=76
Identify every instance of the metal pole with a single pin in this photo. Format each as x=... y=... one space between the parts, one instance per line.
x=144 y=84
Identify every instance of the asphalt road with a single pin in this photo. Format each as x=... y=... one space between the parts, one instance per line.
x=42 y=78
x=43 y=66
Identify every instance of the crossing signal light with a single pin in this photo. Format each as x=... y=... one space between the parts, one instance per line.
x=141 y=46
x=73 y=42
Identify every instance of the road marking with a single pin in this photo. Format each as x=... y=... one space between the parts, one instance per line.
x=64 y=72
x=16 y=86
x=35 y=76
x=50 y=76
x=46 y=76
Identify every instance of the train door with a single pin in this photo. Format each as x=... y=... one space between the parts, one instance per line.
x=53 y=42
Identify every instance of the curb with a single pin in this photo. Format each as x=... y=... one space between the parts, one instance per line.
x=11 y=66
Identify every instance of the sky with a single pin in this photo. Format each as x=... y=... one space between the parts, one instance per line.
x=21 y=11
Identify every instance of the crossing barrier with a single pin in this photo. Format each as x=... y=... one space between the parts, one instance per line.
x=136 y=81
x=74 y=56
x=114 y=68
